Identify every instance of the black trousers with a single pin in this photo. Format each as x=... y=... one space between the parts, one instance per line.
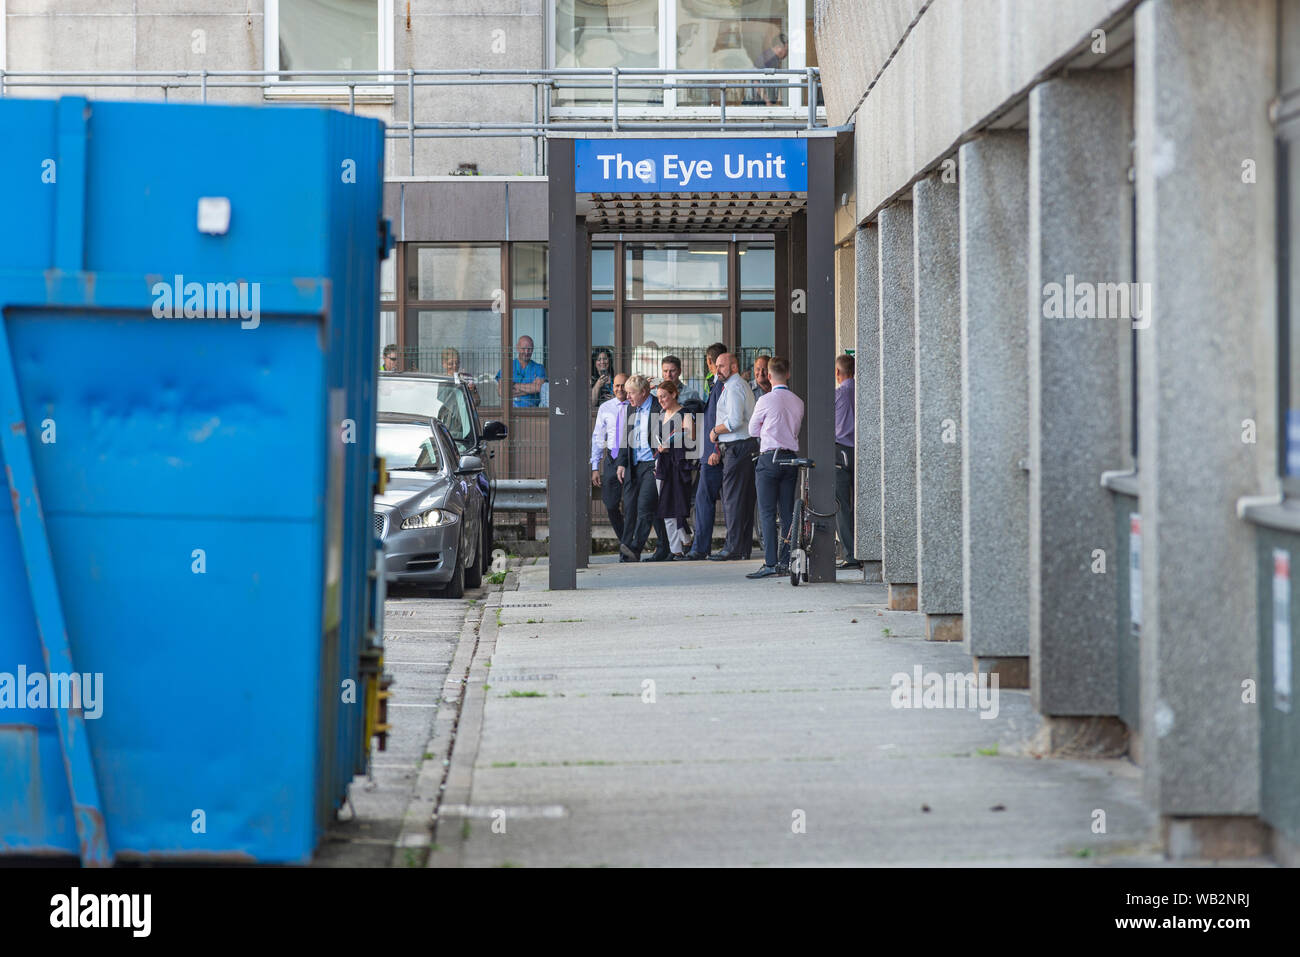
x=738 y=495
x=611 y=495
x=640 y=499
x=844 y=497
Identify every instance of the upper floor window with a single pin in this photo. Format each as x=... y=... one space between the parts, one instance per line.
x=306 y=35
x=739 y=35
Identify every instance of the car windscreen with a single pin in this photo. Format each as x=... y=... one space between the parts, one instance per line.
x=444 y=401
x=407 y=446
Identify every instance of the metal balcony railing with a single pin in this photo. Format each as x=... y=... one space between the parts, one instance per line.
x=601 y=97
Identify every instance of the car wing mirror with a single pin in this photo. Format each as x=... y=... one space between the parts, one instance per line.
x=469 y=464
x=494 y=431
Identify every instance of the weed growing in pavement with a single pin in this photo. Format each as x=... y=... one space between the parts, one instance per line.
x=497 y=578
x=526 y=694
x=989 y=752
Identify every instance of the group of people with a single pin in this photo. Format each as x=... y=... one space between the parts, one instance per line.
x=660 y=450
x=529 y=386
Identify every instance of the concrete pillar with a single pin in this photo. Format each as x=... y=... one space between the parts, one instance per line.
x=897 y=407
x=995 y=404
x=937 y=295
x=1205 y=74
x=866 y=390
x=819 y=386
x=1079 y=239
x=568 y=433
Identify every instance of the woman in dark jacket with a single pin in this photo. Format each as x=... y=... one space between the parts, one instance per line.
x=672 y=467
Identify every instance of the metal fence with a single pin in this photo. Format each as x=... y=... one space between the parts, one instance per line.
x=606 y=99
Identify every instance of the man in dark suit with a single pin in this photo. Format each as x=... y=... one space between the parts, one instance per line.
x=636 y=470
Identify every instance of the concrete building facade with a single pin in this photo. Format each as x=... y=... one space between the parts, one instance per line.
x=1128 y=447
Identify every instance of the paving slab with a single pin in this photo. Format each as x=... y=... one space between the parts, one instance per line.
x=678 y=714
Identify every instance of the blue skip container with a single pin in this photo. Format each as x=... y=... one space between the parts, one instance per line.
x=187 y=395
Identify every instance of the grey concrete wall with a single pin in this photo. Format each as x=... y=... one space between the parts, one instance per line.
x=914 y=87
x=897 y=397
x=937 y=297
x=1206 y=73
x=161 y=35
x=1079 y=226
x=995 y=398
x=866 y=388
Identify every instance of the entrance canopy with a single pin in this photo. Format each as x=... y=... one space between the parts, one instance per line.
x=705 y=183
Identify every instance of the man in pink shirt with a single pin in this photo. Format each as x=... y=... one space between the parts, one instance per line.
x=775 y=423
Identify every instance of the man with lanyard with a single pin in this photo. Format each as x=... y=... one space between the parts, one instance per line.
x=776 y=421
x=731 y=433
x=607 y=437
x=709 y=487
x=636 y=470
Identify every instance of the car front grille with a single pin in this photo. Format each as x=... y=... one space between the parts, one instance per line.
x=381 y=524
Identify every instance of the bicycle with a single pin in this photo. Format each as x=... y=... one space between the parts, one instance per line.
x=799 y=536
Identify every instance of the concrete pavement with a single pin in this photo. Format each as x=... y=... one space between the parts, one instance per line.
x=678 y=714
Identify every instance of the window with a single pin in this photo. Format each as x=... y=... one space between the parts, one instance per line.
x=757 y=271
x=306 y=35
x=529 y=388
x=684 y=334
x=453 y=271
x=528 y=270
x=677 y=271
x=602 y=34
x=705 y=35
x=467 y=341
x=757 y=335
x=602 y=272
x=745 y=35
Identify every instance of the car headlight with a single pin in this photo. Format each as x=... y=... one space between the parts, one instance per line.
x=430 y=519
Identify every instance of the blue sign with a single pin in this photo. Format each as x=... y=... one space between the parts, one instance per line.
x=691 y=166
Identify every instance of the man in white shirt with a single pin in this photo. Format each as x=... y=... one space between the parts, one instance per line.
x=731 y=434
x=606 y=440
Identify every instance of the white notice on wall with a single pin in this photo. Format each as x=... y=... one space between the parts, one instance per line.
x=1282 y=629
x=1135 y=572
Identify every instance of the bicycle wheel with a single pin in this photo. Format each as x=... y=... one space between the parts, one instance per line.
x=796 y=542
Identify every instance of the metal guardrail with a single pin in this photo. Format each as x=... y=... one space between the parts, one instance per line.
x=519 y=495
x=383 y=85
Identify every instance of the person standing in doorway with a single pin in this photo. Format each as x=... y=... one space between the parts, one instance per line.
x=709 y=487
x=777 y=419
x=391 y=363
x=845 y=410
x=762 y=384
x=606 y=442
x=672 y=478
x=731 y=434
x=529 y=377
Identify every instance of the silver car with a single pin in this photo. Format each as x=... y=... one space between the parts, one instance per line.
x=430 y=515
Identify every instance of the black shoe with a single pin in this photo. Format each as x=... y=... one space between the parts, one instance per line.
x=849 y=563
x=693 y=557
x=681 y=557
x=722 y=557
x=626 y=553
x=767 y=571
x=657 y=557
